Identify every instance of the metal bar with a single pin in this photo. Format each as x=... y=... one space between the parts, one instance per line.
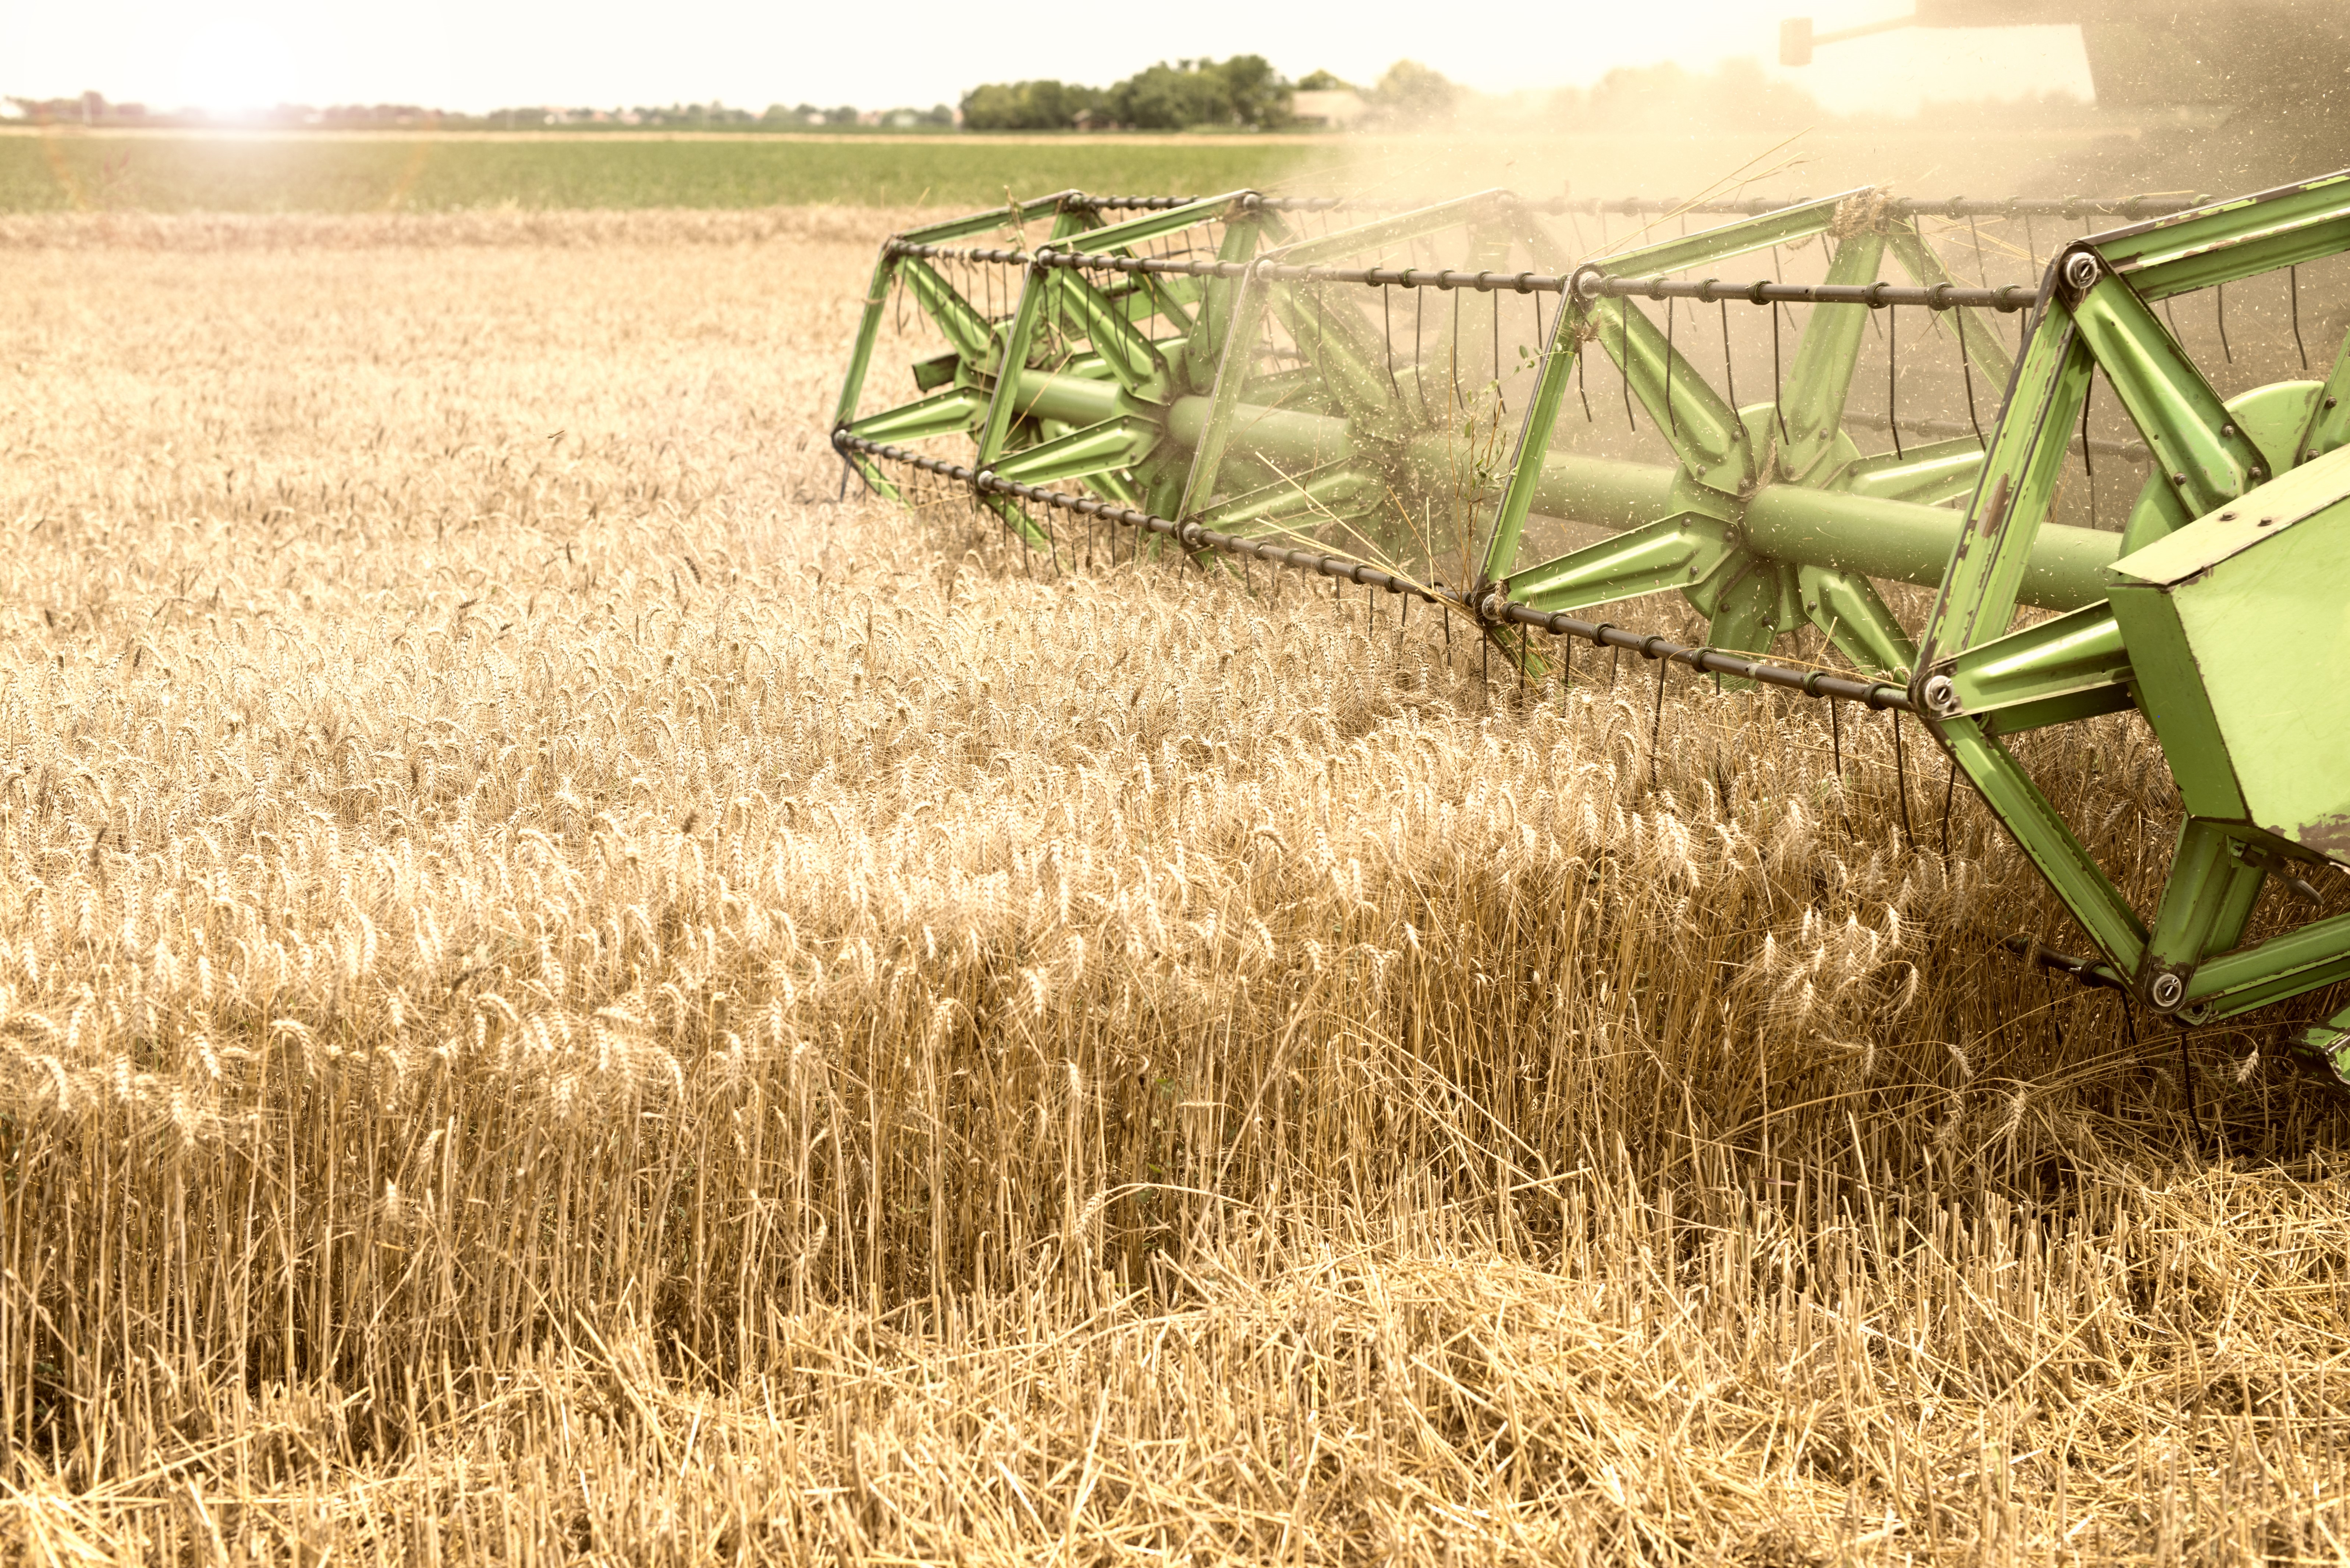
x=1493 y=608
x=997 y=217
x=2282 y=967
x=1873 y=535
x=1592 y=285
x=2064 y=568
x=1119 y=237
x=2222 y=242
x=1939 y=296
x=2076 y=207
x=1702 y=429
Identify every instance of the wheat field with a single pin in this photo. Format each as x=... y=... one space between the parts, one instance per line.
x=569 y=992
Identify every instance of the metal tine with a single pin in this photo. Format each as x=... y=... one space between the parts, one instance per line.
x=2088 y=460
x=1453 y=372
x=1893 y=378
x=1626 y=307
x=1656 y=723
x=1496 y=301
x=1778 y=386
x=1387 y=333
x=1967 y=370
x=1672 y=415
x=1419 y=378
x=1729 y=374
x=2293 y=283
x=1901 y=783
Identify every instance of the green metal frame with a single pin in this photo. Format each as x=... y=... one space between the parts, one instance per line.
x=1266 y=404
x=1981 y=679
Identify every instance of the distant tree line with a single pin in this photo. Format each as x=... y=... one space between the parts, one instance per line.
x=1243 y=92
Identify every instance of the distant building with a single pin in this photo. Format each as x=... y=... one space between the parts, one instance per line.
x=1337 y=110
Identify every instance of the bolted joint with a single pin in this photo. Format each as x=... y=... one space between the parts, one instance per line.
x=1941 y=696
x=2167 y=991
x=2082 y=270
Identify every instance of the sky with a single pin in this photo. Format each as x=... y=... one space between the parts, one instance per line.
x=476 y=54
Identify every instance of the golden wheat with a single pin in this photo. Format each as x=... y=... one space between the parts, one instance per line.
x=564 y=993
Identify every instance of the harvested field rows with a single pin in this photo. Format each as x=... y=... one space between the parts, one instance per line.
x=565 y=992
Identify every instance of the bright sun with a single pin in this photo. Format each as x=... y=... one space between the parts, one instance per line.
x=236 y=65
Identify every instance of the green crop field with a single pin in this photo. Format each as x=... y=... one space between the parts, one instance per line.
x=168 y=172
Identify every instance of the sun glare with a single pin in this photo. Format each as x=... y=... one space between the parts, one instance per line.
x=235 y=67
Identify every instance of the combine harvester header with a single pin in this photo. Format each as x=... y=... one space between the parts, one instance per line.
x=1409 y=404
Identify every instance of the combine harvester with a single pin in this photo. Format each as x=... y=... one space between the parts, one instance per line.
x=1427 y=403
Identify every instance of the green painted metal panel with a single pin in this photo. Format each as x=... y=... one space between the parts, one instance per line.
x=2252 y=608
x=2171 y=694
